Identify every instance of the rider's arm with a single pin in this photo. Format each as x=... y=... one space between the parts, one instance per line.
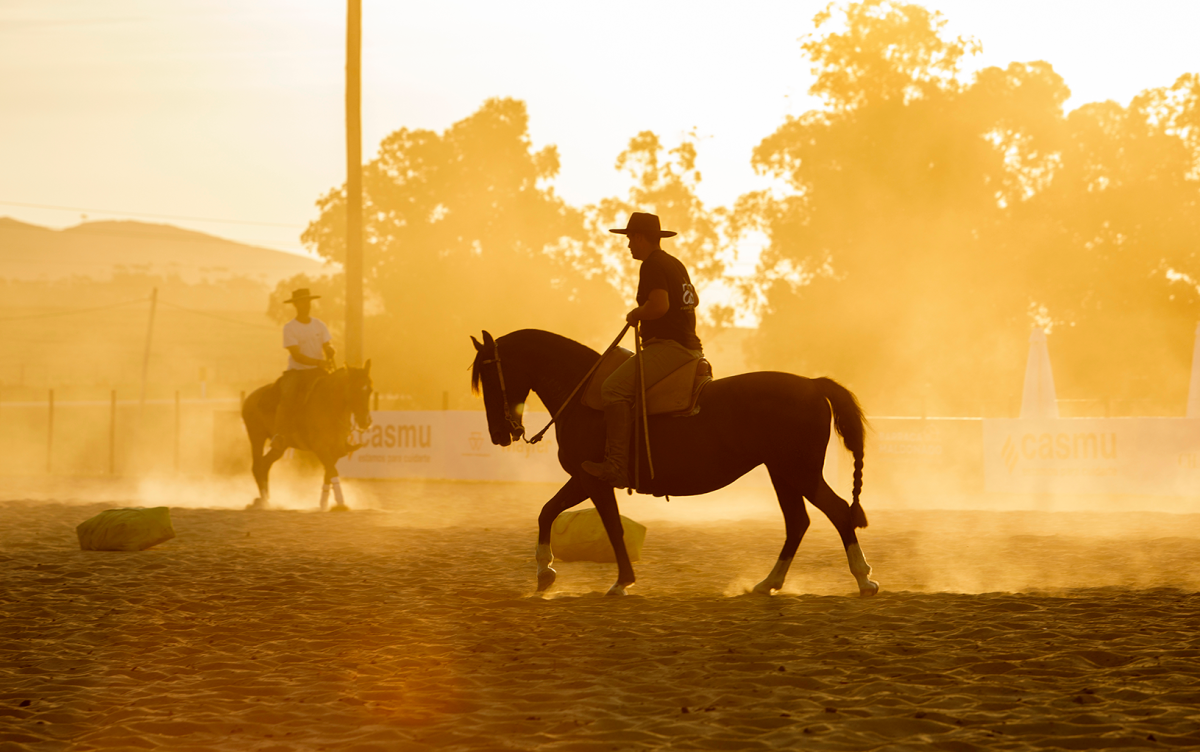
x=656 y=306
x=303 y=359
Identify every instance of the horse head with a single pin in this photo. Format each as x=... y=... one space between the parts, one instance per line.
x=358 y=394
x=505 y=388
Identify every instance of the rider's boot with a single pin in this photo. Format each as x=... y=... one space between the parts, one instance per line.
x=615 y=468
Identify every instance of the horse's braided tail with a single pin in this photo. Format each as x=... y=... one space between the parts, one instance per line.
x=849 y=422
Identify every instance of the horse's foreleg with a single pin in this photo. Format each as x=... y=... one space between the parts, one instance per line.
x=262 y=475
x=842 y=517
x=568 y=496
x=334 y=483
x=606 y=504
x=795 y=522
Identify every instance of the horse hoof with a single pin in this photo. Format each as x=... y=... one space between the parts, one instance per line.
x=871 y=589
x=763 y=588
x=619 y=589
x=546 y=578
x=258 y=503
x=340 y=508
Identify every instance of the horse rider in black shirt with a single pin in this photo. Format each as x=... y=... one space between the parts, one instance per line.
x=667 y=311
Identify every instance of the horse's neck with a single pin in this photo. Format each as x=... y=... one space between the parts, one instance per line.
x=554 y=376
x=328 y=394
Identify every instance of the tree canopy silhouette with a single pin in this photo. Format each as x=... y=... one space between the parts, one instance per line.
x=464 y=232
x=931 y=220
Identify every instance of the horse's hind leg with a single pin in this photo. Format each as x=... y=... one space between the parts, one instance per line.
x=610 y=514
x=795 y=521
x=844 y=519
x=567 y=497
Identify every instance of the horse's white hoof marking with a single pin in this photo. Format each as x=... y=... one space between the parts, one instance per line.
x=618 y=589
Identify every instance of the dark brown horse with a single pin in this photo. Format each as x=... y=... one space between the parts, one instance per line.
x=744 y=421
x=324 y=430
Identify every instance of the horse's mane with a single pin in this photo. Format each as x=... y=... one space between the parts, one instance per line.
x=532 y=340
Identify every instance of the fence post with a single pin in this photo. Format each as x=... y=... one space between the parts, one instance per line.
x=50 y=433
x=178 y=421
x=112 y=433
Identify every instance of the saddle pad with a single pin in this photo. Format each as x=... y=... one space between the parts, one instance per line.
x=611 y=362
x=678 y=391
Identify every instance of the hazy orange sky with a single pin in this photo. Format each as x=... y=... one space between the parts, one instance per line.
x=232 y=110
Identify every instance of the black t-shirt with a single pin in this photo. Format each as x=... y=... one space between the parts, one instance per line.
x=662 y=271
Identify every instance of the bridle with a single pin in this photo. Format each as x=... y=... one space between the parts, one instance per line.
x=349 y=389
x=515 y=428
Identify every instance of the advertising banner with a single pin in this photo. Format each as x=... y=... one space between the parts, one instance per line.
x=1136 y=456
x=914 y=458
x=455 y=445
x=449 y=444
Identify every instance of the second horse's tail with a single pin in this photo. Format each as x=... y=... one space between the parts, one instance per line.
x=850 y=424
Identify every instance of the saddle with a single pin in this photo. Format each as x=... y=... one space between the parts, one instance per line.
x=676 y=394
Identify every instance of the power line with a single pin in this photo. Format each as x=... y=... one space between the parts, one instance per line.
x=72 y=311
x=143 y=214
x=181 y=236
x=214 y=316
x=78 y=311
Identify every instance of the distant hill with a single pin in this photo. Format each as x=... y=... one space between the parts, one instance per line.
x=98 y=249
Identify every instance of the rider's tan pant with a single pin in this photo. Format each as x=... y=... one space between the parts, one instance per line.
x=660 y=358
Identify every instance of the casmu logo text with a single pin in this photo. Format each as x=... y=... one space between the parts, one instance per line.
x=1059 y=446
x=399 y=436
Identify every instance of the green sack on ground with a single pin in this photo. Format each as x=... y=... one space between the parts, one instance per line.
x=580 y=536
x=133 y=529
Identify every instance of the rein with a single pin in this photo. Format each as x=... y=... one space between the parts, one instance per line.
x=515 y=428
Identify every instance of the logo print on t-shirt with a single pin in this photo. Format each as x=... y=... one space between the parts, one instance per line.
x=690 y=299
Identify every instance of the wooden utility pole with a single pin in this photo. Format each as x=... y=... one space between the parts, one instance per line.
x=112 y=434
x=178 y=430
x=50 y=434
x=146 y=352
x=354 y=235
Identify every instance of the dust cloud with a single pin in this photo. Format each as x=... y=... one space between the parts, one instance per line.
x=923 y=220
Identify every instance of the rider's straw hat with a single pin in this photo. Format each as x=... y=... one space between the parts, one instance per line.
x=644 y=224
x=301 y=294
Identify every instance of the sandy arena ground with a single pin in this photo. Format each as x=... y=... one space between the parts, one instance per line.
x=411 y=623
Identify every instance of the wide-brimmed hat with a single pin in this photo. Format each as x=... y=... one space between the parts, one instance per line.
x=642 y=223
x=301 y=294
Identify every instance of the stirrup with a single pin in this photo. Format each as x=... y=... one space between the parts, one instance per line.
x=606 y=472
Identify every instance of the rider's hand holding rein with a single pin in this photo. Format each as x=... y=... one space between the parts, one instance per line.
x=655 y=307
x=325 y=363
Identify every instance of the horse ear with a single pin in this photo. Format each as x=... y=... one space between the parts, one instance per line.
x=487 y=338
x=367 y=367
x=475 y=342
